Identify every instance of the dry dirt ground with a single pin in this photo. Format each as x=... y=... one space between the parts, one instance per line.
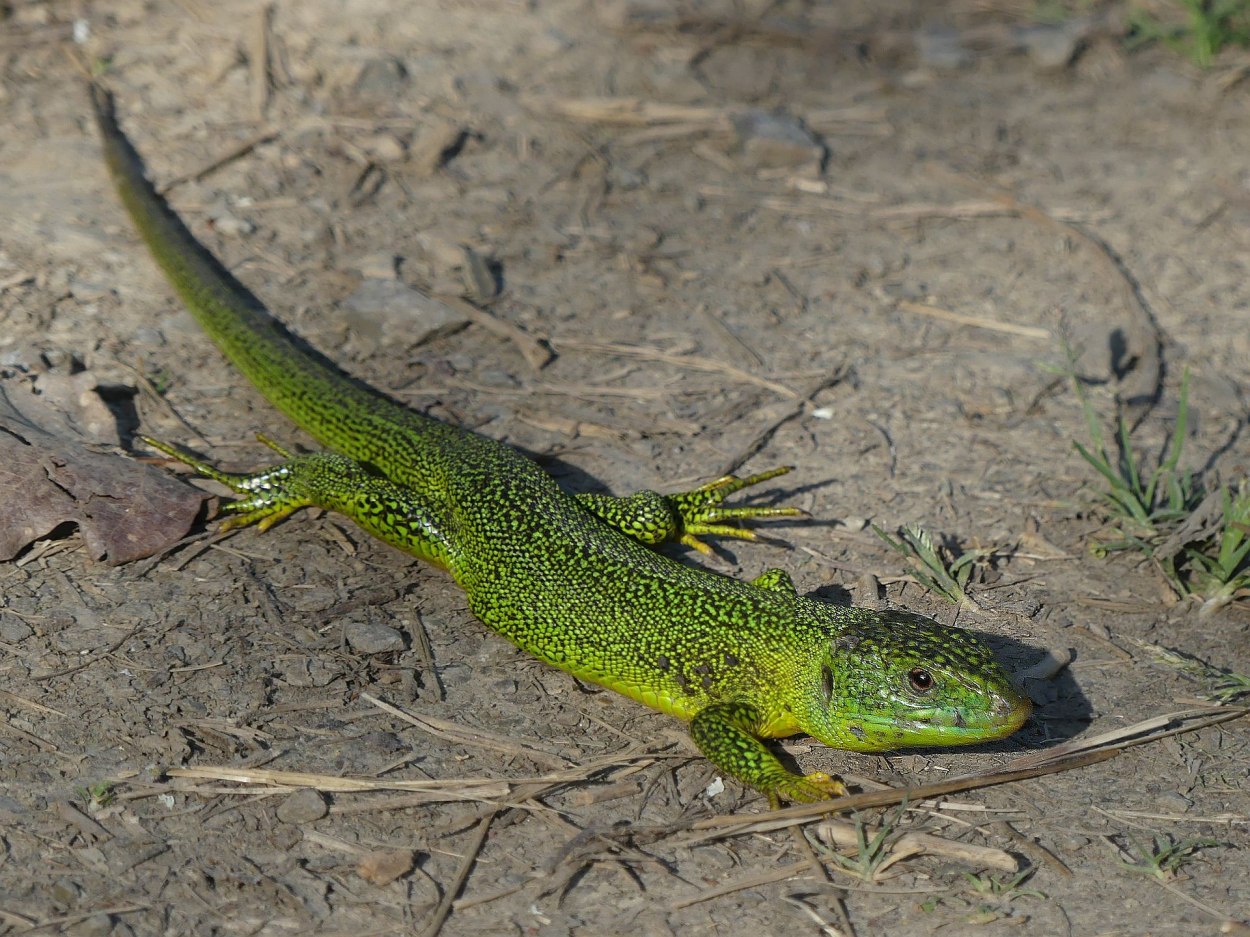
x=712 y=297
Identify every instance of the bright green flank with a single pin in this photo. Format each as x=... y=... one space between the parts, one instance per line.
x=575 y=579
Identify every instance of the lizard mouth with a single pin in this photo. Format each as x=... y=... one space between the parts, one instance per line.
x=1008 y=714
x=956 y=725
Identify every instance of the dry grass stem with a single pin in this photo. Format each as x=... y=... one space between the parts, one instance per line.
x=476 y=738
x=658 y=133
x=227 y=156
x=509 y=791
x=557 y=389
x=959 y=318
x=535 y=352
x=69 y=920
x=1234 y=819
x=1153 y=729
x=1065 y=757
x=44 y=745
x=30 y=704
x=750 y=881
x=465 y=788
x=691 y=362
x=976 y=208
x=633 y=112
x=453 y=888
x=259 y=58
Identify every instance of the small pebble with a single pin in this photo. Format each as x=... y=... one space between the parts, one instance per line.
x=455 y=674
x=14 y=630
x=65 y=892
x=382 y=78
x=147 y=335
x=229 y=225
x=11 y=809
x=770 y=141
x=373 y=637
x=381 y=265
x=86 y=290
x=98 y=925
x=388 y=313
x=437 y=141
x=304 y=806
x=384 y=147
x=551 y=42
x=1053 y=46
x=441 y=252
x=939 y=47
x=1174 y=801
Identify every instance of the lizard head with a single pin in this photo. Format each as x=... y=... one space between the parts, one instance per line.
x=892 y=679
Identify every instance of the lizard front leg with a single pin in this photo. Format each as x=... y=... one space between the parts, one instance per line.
x=726 y=734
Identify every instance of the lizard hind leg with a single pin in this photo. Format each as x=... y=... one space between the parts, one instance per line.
x=266 y=498
x=401 y=516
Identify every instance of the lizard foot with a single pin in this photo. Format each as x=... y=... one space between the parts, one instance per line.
x=270 y=494
x=807 y=789
x=702 y=510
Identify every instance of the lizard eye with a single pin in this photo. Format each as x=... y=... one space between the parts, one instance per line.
x=921 y=680
x=826 y=682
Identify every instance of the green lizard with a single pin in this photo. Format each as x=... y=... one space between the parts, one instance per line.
x=574 y=579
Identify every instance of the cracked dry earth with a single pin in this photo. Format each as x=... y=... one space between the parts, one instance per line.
x=849 y=237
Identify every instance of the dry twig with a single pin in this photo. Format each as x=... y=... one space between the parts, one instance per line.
x=453 y=889
x=691 y=362
x=843 y=833
x=946 y=315
x=536 y=353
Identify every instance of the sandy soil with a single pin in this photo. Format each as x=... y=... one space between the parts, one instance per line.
x=781 y=302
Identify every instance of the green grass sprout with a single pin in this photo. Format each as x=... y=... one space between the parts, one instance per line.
x=1221 y=686
x=1217 y=570
x=1163 y=857
x=1207 y=27
x=96 y=796
x=872 y=855
x=937 y=569
x=1145 y=507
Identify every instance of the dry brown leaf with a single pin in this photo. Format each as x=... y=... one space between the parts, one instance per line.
x=383 y=866
x=48 y=477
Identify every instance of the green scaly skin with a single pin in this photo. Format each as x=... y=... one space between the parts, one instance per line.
x=573 y=579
